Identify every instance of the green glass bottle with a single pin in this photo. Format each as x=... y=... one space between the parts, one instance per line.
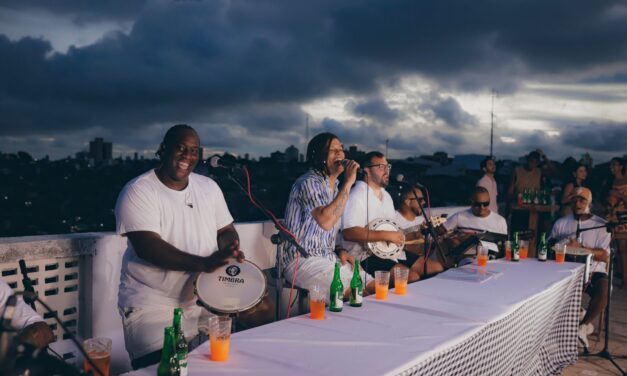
x=542 y=248
x=169 y=365
x=515 y=248
x=181 y=344
x=357 y=287
x=336 y=302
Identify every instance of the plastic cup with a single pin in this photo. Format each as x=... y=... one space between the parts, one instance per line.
x=317 y=299
x=219 y=338
x=560 y=254
x=508 y=250
x=99 y=351
x=400 y=280
x=524 y=249
x=482 y=256
x=381 y=284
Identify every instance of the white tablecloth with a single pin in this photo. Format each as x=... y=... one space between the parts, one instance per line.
x=522 y=321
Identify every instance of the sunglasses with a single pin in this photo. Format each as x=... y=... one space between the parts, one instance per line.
x=477 y=204
x=419 y=199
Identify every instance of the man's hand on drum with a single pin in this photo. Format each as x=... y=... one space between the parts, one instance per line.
x=345 y=257
x=222 y=256
x=396 y=237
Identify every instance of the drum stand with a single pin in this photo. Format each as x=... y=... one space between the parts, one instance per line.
x=605 y=352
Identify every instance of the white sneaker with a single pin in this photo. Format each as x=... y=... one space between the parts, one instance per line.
x=584 y=330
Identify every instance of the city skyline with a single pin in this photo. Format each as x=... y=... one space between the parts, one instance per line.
x=252 y=77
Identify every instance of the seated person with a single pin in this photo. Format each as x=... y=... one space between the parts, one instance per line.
x=314 y=208
x=479 y=218
x=597 y=241
x=31 y=328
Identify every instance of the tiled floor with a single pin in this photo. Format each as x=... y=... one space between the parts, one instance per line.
x=593 y=366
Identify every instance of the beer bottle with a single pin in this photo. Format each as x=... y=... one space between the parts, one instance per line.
x=169 y=365
x=542 y=248
x=357 y=287
x=336 y=303
x=515 y=248
x=536 y=197
x=181 y=343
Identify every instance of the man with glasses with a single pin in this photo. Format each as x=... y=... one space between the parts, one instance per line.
x=369 y=201
x=596 y=241
x=479 y=218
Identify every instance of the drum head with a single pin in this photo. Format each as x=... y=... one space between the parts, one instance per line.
x=231 y=288
x=385 y=250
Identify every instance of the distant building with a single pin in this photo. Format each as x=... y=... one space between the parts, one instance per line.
x=100 y=151
x=291 y=153
x=277 y=156
x=354 y=154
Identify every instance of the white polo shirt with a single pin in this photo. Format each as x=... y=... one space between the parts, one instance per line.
x=364 y=206
x=187 y=219
x=23 y=315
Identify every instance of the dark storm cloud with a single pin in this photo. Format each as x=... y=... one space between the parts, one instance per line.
x=452 y=139
x=597 y=137
x=616 y=78
x=207 y=62
x=81 y=10
x=375 y=108
x=448 y=110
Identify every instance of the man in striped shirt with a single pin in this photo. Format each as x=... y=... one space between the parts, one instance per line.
x=313 y=212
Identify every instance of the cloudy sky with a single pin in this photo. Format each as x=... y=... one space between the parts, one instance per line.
x=248 y=75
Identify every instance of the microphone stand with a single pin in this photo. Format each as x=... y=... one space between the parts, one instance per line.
x=432 y=232
x=278 y=239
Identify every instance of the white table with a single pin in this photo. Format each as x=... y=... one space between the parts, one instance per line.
x=522 y=321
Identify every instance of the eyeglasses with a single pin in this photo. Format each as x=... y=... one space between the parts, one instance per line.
x=477 y=204
x=421 y=199
x=381 y=166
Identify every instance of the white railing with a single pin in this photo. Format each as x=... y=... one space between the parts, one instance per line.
x=78 y=276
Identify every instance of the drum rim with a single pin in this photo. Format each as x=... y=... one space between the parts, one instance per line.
x=370 y=245
x=232 y=311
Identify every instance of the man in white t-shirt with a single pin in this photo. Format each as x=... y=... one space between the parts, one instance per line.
x=410 y=219
x=368 y=201
x=31 y=328
x=488 y=182
x=178 y=225
x=479 y=218
x=597 y=241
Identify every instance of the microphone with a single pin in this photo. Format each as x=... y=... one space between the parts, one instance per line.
x=400 y=178
x=218 y=162
x=344 y=163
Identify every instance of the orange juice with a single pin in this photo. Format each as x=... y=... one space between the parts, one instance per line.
x=219 y=348
x=100 y=359
x=559 y=257
x=524 y=251
x=482 y=260
x=508 y=254
x=317 y=309
x=381 y=291
x=400 y=288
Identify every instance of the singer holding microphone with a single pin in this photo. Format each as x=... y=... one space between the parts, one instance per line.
x=568 y=231
x=177 y=224
x=313 y=212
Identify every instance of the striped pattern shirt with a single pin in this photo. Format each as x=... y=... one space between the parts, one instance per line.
x=311 y=190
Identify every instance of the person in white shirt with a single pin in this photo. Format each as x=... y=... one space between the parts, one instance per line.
x=597 y=241
x=178 y=225
x=410 y=219
x=368 y=201
x=31 y=328
x=479 y=218
x=488 y=182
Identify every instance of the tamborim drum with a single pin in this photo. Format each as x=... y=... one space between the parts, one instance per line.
x=231 y=288
x=385 y=250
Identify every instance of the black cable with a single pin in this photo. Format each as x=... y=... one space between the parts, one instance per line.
x=65 y=329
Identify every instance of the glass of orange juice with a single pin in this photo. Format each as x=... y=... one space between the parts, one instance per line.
x=482 y=256
x=99 y=351
x=317 y=299
x=524 y=249
x=219 y=338
x=401 y=274
x=560 y=254
x=508 y=250
x=381 y=284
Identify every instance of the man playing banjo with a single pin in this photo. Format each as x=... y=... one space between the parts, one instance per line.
x=178 y=225
x=370 y=201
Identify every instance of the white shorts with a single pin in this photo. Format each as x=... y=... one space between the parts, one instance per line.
x=143 y=327
x=317 y=270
